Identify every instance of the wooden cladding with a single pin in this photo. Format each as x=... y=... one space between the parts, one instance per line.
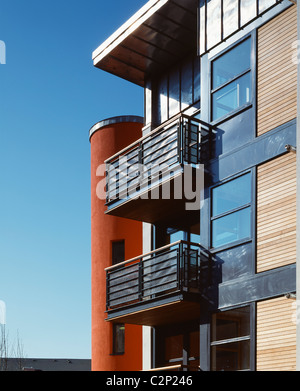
x=276 y=335
x=276 y=213
x=276 y=73
x=276 y=190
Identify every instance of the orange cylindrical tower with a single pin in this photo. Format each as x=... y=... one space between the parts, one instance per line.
x=108 y=137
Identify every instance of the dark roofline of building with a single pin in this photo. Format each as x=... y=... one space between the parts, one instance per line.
x=115 y=120
x=45 y=364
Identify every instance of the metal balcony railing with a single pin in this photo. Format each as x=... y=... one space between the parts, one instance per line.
x=167 y=270
x=177 y=141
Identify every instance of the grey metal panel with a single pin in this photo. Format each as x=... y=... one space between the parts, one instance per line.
x=260 y=150
x=260 y=286
x=234 y=262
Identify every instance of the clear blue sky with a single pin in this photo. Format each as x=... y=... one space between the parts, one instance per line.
x=50 y=95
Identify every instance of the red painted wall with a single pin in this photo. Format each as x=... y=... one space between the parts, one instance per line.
x=105 y=142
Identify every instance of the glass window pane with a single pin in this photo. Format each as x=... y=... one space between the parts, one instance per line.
x=248 y=11
x=231 y=64
x=176 y=235
x=119 y=338
x=230 y=228
x=213 y=23
x=265 y=4
x=118 y=252
x=230 y=16
x=197 y=80
x=232 y=96
x=231 y=324
x=234 y=356
x=166 y=236
x=232 y=195
x=228 y=355
x=202 y=35
x=186 y=85
x=174 y=104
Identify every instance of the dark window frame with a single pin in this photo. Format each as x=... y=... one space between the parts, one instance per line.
x=249 y=337
x=114 y=255
x=116 y=333
x=118 y=347
x=251 y=71
x=231 y=211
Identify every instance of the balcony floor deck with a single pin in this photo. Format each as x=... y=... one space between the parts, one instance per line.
x=144 y=207
x=159 y=312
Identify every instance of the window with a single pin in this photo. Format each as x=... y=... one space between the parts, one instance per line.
x=230 y=340
x=221 y=18
x=231 y=80
x=118 y=339
x=165 y=236
x=118 y=252
x=118 y=255
x=231 y=211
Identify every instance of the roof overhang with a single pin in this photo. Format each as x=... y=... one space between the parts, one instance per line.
x=155 y=38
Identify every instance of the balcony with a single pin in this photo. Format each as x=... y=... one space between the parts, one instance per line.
x=149 y=179
x=158 y=287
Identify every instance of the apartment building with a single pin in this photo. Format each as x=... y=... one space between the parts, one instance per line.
x=210 y=185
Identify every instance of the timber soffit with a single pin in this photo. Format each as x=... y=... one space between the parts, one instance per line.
x=160 y=34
